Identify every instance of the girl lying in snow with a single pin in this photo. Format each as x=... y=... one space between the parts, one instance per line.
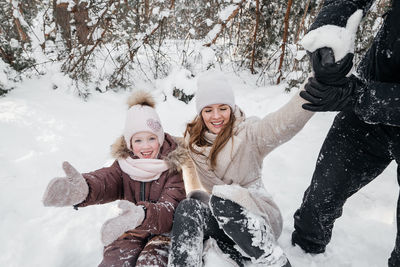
x=228 y=150
x=146 y=177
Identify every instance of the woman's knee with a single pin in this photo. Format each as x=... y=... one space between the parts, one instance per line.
x=190 y=213
x=188 y=206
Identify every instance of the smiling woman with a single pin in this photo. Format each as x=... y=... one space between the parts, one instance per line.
x=228 y=150
x=216 y=117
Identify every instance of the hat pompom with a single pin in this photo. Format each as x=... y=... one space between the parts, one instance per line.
x=141 y=98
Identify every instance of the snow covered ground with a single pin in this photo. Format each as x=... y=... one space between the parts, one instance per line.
x=41 y=127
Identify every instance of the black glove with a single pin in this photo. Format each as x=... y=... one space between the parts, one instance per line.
x=324 y=97
x=326 y=70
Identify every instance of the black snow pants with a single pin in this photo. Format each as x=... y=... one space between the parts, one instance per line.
x=194 y=223
x=229 y=224
x=353 y=154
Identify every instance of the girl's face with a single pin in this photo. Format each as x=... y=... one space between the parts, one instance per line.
x=216 y=117
x=145 y=145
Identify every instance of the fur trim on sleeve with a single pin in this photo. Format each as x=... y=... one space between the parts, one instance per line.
x=141 y=98
x=177 y=158
x=190 y=177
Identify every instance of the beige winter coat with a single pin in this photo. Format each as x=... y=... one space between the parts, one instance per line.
x=238 y=172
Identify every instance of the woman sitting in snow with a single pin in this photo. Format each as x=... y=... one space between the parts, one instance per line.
x=235 y=209
x=146 y=178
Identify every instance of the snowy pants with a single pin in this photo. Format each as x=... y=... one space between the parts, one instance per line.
x=353 y=154
x=195 y=221
x=132 y=250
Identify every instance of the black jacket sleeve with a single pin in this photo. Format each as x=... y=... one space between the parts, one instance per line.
x=379 y=102
x=337 y=12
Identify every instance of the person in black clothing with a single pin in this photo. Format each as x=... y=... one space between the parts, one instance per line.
x=365 y=135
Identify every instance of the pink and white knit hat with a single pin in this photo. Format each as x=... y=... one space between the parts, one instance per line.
x=142 y=117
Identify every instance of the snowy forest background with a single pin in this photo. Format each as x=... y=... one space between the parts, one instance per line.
x=103 y=45
x=67 y=67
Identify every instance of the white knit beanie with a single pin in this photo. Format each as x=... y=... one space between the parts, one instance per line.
x=213 y=88
x=142 y=117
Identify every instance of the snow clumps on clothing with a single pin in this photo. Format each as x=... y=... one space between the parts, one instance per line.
x=340 y=39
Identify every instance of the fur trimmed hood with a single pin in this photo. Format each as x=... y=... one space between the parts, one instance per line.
x=174 y=154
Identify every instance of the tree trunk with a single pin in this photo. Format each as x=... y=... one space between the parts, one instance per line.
x=302 y=22
x=146 y=11
x=255 y=37
x=63 y=17
x=22 y=35
x=285 y=34
x=6 y=57
x=81 y=17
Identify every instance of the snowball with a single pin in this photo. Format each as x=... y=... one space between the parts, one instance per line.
x=340 y=39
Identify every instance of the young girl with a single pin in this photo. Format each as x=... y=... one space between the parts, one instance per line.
x=146 y=177
x=228 y=150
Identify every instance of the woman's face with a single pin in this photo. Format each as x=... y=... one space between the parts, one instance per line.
x=145 y=145
x=216 y=117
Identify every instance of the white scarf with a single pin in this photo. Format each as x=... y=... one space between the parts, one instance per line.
x=143 y=170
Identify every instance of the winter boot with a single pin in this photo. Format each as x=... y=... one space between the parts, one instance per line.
x=229 y=250
x=212 y=247
x=250 y=232
x=306 y=245
x=287 y=264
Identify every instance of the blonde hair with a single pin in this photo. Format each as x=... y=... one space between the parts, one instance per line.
x=196 y=130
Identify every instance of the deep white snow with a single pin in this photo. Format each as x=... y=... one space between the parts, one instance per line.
x=41 y=127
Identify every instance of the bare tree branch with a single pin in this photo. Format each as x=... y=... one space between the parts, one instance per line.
x=86 y=52
x=302 y=22
x=133 y=50
x=225 y=22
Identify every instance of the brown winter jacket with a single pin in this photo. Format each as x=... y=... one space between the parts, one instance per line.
x=159 y=197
